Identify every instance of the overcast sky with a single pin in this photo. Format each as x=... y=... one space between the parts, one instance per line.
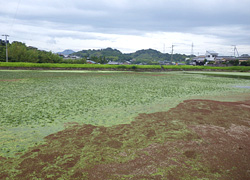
x=129 y=25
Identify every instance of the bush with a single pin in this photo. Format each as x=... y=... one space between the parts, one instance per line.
x=134 y=67
x=245 y=63
x=234 y=62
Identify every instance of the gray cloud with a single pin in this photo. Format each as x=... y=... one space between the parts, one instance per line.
x=229 y=20
x=156 y=15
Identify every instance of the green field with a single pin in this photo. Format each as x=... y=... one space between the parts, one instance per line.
x=35 y=104
x=120 y=67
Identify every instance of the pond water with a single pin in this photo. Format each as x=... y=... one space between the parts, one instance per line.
x=246 y=87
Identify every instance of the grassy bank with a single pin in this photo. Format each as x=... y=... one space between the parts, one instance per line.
x=76 y=66
x=119 y=67
x=230 y=68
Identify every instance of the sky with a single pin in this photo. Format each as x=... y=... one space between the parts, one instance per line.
x=129 y=25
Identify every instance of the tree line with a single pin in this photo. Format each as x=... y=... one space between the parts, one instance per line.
x=149 y=56
x=19 y=52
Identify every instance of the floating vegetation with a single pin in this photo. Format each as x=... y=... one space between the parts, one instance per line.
x=40 y=102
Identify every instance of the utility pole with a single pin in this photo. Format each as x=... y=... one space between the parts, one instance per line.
x=192 y=49
x=6 y=46
x=172 y=53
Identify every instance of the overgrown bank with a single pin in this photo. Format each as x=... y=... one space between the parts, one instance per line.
x=37 y=66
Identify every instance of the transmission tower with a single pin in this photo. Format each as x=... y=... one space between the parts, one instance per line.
x=235 y=51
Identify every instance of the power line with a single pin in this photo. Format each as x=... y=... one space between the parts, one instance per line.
x=14 y=19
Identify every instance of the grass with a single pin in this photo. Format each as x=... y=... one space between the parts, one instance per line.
x=76 y=66
x=230 y=68
x=120 y=67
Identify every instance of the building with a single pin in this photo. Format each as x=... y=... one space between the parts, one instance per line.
x=113 y=63
x=91 y=62
x=200 y=58
x=127 y=63
x=69 y=56
x=211 y=55
x=245 y=56
x=166 y=62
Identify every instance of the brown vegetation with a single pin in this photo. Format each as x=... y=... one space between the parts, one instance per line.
x=196 y=139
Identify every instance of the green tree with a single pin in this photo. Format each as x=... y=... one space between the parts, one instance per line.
x=2 y=52
x=245 y=63
x=234 y=62
x=19 y=52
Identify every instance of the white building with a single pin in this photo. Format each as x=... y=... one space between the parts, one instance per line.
x=113 y=63
x=211 y=55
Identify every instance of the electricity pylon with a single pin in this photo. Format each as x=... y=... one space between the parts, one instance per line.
x=235 y=51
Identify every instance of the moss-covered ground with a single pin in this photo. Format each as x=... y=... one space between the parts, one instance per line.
x=138 y=126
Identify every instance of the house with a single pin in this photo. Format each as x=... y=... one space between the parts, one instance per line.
x=127 y=63
x=211 y=56
x=69 y=56
x=91 y=62
x=74 y=57
x=113 y=63
x=245 y=56
x=166 y=62
x=221 y=59
x=200 y=58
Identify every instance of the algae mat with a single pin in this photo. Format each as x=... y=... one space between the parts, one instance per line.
x=212 y=142
x=157 y=126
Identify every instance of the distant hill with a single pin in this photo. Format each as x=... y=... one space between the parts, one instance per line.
x=150 y=54
x=66 y=52
x=108 y=53
x=141 y=56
